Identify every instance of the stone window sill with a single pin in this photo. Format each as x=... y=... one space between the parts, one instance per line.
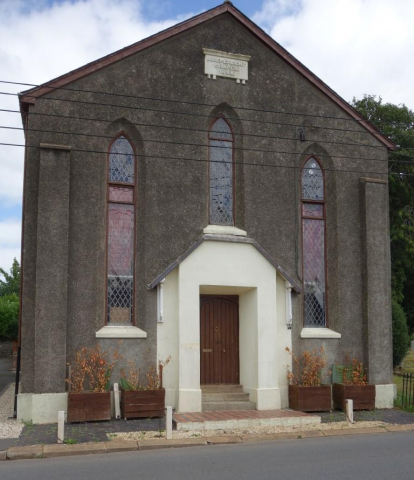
x=319 y=333
x=224 y=230
x=123 y=331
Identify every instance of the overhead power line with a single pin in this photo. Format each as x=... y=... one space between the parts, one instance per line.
x=193 y=114
x=175 y=127
x=204 y=145
x=202 y=160
x=187 y=102
x=175 y=112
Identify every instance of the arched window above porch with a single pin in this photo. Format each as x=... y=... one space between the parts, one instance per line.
x=221 y=173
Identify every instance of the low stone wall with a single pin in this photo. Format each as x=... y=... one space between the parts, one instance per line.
x=6 y=349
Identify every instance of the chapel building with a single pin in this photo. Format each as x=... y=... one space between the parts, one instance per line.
x=202 y=195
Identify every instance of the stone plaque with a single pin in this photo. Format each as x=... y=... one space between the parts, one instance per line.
x=228 y=65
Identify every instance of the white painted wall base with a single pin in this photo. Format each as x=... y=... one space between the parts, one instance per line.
x=41 y=407
x=189 y=400
x=284 y=397
x=385 y=395
x=171 y=397
x=268 y=399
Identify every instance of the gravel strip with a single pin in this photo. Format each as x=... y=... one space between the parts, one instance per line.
x=267 y=430
x=8 y=428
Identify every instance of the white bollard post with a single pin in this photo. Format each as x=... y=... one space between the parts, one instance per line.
x=168 y=423
x=61 y=427
x=117 y=402
x=349 y=410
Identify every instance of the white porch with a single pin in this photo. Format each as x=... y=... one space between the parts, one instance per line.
x=226 y=267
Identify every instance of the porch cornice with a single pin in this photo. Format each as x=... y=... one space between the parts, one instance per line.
x=225 y=238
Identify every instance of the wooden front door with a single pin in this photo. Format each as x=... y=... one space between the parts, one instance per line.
x=219 y=331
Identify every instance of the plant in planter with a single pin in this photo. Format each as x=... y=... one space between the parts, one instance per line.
x=354 y=386
x=306 y=391
x=91 y=368
x=143 y=399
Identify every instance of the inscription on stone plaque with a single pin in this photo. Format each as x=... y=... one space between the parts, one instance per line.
x=228 y=65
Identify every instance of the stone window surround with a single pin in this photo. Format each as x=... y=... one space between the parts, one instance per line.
x=316 y=200
x=319 y=332
x=120 y=331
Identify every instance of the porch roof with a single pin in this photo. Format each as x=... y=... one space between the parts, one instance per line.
x=225 y=238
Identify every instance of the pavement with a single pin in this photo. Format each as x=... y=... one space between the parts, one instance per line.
x=63 y=450
x=87 y=432
x=394 y=416
x=97 y=431
x=6 y=375
x=360 y=456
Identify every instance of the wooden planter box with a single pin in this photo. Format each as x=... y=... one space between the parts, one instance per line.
x=143 y=403
x=310 y=399
x=89 y=406
x=362 y=395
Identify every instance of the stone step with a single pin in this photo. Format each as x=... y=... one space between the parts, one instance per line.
x=224 y=388
x=226 y=397
x=223 y=406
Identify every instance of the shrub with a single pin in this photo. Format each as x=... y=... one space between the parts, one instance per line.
x=354 y=373
x=9 y=316
x=153 y=379
x=93 y=367
x=308 y=368
x=400 y=336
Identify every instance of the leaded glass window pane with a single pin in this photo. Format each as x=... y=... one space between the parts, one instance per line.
x=221 y=182
x=312 y=181
x=312 y=210
x=121 y=194
x=221 y=129
x=121 y=161
x=314 y=272
x=120 y=262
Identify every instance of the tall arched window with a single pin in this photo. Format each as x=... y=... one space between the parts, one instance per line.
x=121 y=232
x=313 y=242
x=221 y=173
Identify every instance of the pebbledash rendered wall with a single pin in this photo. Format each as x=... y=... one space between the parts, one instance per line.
x=64 y=282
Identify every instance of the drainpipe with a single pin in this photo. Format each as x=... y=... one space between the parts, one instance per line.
x=160 y=301
x=19 y=335
x=288 y=308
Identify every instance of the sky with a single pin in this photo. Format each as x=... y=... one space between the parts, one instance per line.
x=357 y=47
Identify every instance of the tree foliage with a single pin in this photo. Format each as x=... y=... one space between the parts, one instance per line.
x=9 y=316
x=11 y=282
x=400 y=336
x=9 y=302
x=397 y=123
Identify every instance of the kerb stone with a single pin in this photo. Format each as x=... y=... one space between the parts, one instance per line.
x=184 y=442
x=224 y=439
x=50 y=451
x=122 y=446
x=353 y=431
x=24 y=453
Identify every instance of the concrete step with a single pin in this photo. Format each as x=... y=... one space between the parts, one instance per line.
x=223 y=406
x=226 y=397
x=224 y=388
x=253 y=418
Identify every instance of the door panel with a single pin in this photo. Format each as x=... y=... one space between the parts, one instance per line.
x=219 y=331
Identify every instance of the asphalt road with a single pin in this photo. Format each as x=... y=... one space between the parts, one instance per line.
x=379 y=457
